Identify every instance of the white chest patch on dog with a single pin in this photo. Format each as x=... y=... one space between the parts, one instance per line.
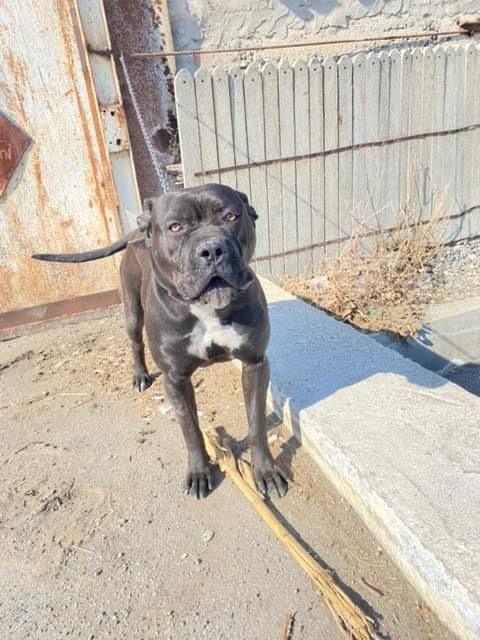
x=209 y=332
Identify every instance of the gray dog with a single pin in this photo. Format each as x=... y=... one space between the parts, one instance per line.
x=185 y=275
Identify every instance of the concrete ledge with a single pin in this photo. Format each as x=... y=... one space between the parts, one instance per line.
x=399 y=442
x=451 y=335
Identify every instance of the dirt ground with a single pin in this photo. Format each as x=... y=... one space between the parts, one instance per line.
x=97 y=540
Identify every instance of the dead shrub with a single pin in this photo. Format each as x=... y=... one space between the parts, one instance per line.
x=374 y=283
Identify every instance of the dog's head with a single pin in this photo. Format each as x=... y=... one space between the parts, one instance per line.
x=201 y=240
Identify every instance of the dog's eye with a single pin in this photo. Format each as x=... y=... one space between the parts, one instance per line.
x=231 y=217
x=175 y=227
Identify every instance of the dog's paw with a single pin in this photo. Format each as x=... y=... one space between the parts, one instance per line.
x=199 y=484
x=269 y=479
x=142 y=380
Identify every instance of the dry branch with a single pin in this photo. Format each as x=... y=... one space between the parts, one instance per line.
x=355 y=624
x=376 y=283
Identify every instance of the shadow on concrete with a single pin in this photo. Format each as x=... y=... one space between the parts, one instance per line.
x=466 y=376
x=345 y=362
x=329 y=354
x=462 y=371
x=450 y=347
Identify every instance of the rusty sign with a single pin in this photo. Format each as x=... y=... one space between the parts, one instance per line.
x=13 y=144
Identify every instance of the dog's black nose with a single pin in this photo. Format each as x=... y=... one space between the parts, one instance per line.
x=212 y=251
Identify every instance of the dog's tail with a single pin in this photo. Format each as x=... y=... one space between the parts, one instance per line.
x=86 y=256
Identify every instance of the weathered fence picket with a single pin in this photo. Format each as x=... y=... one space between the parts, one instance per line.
x=392 y=181
x=317 y=163
x=223 y=124
x=256 y=154
x=426 y=200
x=372 y=155
x=460 y=122
x=274 y=171
x=330 y=115
x=470 y=182
x=187 y=115
x=471 y=64
x=326 y=144
x=383 y=205
x=239 y=122
x=414 y=179
x=403 y=146
x=345 y=139
x=302 y=166
x=437 y=125
x=287 y=148
x=359 y=137
x=206 y=123
x=449 y=121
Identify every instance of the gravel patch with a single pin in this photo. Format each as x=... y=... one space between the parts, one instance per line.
x=454 y=273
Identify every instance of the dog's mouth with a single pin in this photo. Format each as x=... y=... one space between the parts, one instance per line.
x=219 y=292
x=217 y=282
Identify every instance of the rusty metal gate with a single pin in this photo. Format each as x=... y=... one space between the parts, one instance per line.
x=62 y=195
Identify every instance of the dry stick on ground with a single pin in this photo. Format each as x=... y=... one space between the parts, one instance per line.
x=349 y=617
x=288 y=626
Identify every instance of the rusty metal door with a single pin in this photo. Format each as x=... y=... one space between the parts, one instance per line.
x=61 y=197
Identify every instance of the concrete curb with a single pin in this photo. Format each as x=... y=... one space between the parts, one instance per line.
x=442 y=341
x=399 y=442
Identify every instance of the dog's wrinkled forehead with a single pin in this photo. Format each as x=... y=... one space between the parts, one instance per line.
x=200 y=203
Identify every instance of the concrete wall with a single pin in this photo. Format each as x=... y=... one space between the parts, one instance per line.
x=216 y=24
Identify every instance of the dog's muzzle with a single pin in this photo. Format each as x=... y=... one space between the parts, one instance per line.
x=215 y=274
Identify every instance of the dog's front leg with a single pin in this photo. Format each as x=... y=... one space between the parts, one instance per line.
x=268 y=477
x=199 y=478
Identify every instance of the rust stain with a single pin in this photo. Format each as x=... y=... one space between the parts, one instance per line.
x=42 y=195
x=16 y=91
x=16 y=66
x=66 y=224
x=121 y=119
x=14 y=219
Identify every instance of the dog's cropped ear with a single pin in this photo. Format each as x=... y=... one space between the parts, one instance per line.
x=250 y=210
x=144 y=220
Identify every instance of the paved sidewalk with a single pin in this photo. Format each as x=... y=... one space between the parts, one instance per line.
x=398 y=441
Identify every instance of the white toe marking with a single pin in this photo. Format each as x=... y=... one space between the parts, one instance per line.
x=210 y=331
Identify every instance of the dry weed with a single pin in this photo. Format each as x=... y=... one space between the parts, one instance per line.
x=374 y=282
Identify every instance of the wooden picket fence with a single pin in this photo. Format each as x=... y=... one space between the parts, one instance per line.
x=325 y=145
